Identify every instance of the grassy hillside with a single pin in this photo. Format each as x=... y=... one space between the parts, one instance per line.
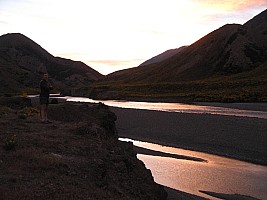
x=228 y=64
x=243 y=87
x=16 y=80
x=22 y=63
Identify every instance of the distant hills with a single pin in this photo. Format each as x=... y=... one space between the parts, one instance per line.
x=230 y=49
x=22 y=63
x=229 y=63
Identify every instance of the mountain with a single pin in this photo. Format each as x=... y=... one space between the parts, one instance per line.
x=223 y=57
x=163 y=56
x=230 y=49
x=22 y=63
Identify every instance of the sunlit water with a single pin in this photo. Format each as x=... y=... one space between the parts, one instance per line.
x=175 y=107
x=218 y=174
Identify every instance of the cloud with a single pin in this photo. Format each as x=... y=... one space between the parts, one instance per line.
x=154 y=32
x=3 y=22
x=108 y=66
x=230 y=5
x=217 y=12
x=114 y=62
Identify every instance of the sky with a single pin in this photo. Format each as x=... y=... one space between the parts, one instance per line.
x=110 y=35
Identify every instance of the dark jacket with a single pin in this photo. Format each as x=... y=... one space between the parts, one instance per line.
x=45 y=88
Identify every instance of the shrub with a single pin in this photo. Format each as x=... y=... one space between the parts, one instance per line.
x=26 y=112
x=22 y=116
x=24 y=94
x=10 y=143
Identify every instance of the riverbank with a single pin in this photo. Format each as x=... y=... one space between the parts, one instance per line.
x=241 y=138
x=75 y=156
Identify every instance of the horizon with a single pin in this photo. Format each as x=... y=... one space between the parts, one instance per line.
x=111 y=36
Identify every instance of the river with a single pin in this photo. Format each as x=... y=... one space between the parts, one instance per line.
x=218 y=174
x=175 y=107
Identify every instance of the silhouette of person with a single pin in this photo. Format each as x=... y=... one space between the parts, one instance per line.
x=45 y=88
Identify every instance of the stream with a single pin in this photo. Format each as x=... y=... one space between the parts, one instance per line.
x=218 y=174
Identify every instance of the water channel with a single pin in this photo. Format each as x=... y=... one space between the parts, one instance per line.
x=175 y=107
x=218 y=174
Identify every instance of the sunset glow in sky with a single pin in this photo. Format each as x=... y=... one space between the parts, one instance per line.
x=109 y=35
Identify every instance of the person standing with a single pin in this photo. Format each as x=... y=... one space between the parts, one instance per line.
x=45 y=88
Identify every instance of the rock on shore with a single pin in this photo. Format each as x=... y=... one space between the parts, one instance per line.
x=77 y=156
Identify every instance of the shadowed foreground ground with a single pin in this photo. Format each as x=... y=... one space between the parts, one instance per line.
x=77 y=156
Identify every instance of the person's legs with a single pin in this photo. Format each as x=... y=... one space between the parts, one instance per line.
x=42 y=112
x=44 y=109
x=45 y=112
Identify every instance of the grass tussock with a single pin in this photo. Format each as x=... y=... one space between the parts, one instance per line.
x=10 y=143
x=219 y=90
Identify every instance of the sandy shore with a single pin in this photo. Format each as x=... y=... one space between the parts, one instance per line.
x=242 y=138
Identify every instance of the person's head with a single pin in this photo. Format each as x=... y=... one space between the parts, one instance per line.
x=45 y=76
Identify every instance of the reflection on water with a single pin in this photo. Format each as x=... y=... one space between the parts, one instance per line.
x=175 y=107
x=219 y=174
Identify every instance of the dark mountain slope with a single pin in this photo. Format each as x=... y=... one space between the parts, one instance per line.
x=231 y=49
x=228 y=64
x=163 y=56
x=22 y=61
